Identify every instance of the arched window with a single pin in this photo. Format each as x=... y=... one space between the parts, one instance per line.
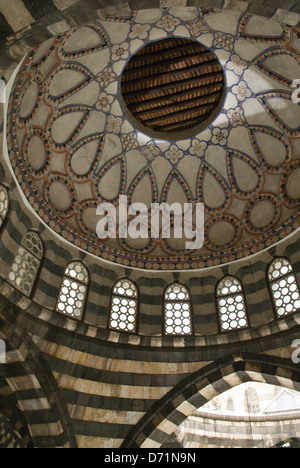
x=231 y=304
x=27 y=263
x=252 y=401
x=124 y=306
x=177 y=310
x=284 y=288
x=73 y=291
x=3 y=204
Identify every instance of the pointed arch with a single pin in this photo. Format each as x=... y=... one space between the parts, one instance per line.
x=201 y=387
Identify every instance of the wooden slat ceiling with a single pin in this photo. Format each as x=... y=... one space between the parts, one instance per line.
x=172 y=85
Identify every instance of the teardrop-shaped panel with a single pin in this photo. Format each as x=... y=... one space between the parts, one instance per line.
x=109 y=185
x=282 y=110
x=83 y=158
x=262 y=214
x=293 y=185
x=213 y=194
x=81 y=39
x=42 y=50
x=221 y=233
x=139 y=243
x=177 y=243
x=272 y=149
x=176 y=193
x=64 y=127
x=283 y=65
x=245 y=177
x=287 y=112
x=36 y=153
x=90 y=218
x=29 y=100
x=85 y=92
x=60 y=196
x=143 y=191
x=259 y=26
x=64 y=81
x=161 y=168
x=216 y=157
x=224 y=21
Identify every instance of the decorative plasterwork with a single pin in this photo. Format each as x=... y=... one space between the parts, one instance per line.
x=71 y=146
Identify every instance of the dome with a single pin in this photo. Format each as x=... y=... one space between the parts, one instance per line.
x=81 y=132
x=122 y=342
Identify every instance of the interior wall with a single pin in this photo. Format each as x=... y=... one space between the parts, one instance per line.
x=88 y=391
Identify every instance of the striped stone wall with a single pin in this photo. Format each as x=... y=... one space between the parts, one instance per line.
x=14 y=431
x=155 y=428
x=76 y=389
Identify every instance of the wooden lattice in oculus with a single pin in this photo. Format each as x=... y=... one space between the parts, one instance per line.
x=172 y=85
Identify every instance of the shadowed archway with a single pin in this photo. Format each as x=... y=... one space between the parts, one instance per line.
x=165 y=416
x=32 y=386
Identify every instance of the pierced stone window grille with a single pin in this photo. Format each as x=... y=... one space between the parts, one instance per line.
x=73 y=291
x=284 y=287
x=231 y=304
x=27 y=262
x=124 y=307
x=4 y=204
x=177 y=310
